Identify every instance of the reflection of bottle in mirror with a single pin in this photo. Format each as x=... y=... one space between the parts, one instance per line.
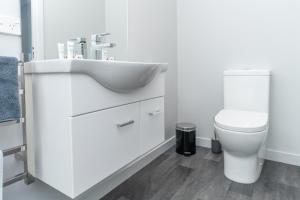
x=61 y=50
x=104 y=54
x=97 y=54
x=70 y=49
x=81 y=48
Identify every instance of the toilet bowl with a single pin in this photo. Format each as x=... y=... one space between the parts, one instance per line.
x=242 y=135
x=242 y=126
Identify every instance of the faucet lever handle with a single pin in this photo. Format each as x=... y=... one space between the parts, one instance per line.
x=99 y=37
x=104 y=34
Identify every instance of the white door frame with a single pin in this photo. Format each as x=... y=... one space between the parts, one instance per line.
x=37 y=21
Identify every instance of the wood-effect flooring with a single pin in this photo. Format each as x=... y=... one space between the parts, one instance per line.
x=200 y=177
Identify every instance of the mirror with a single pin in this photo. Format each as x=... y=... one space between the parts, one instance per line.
x=57 y=21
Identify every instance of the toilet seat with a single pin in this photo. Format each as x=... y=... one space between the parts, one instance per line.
x=242 y=121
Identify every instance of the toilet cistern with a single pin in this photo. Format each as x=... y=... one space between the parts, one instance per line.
x=243 y=124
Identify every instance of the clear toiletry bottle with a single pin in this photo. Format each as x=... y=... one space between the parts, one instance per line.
x=71 y=49
x=61 y=50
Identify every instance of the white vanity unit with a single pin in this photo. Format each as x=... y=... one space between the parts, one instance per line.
x=90 y=118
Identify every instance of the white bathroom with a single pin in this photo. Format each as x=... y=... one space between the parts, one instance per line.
x=149 y=100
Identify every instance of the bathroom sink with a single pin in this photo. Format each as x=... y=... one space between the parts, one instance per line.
x=118 y=76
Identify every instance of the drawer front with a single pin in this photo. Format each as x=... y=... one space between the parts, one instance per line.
x=152 y=124
x=96 y=97
x=104 y=142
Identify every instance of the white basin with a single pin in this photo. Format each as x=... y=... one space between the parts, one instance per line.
x=118 y=76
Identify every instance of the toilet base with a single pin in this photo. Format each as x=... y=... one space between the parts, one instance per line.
x=240 y=169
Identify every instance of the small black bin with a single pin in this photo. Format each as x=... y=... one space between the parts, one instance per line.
x=185 y=139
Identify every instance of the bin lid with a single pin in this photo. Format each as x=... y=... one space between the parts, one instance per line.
x=185 y=127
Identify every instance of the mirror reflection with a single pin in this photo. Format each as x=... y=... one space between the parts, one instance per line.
x=94 y=29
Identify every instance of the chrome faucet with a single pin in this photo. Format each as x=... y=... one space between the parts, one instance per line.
x=98 y=46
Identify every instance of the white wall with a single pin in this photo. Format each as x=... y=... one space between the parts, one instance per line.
x=152 y=37
x=10 y=45
x=116 y=13
x=215 y=35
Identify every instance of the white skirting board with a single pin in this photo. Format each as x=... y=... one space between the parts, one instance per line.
x=203 y=142
x=107 y=185
x=270 y=154
x=284 y=157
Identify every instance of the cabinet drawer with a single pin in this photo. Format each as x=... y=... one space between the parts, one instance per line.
x=104 y=142
x=152 y=124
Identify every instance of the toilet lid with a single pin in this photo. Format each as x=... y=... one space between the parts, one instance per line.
x=242 y=121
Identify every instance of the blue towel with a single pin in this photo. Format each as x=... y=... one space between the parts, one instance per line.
x=9 y=89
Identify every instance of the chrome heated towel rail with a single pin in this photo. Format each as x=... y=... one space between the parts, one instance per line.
x=26 y=176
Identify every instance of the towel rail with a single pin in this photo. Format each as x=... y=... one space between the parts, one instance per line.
x=15 y=179
x=8 y=123
x=26 y=176
x=14 y=150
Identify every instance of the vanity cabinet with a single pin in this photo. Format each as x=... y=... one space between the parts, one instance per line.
x=86 y=149
x=152 y=124
x=88 y=119
x=105 y=141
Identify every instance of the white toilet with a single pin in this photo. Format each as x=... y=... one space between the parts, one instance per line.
x=242 y=125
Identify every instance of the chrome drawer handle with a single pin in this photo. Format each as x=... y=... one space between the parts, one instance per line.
x=154 y=113
x=125 y=124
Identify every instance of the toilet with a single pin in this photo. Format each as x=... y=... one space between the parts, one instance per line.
x=242 y=126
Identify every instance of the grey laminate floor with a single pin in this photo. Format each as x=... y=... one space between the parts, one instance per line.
x=200 y=177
